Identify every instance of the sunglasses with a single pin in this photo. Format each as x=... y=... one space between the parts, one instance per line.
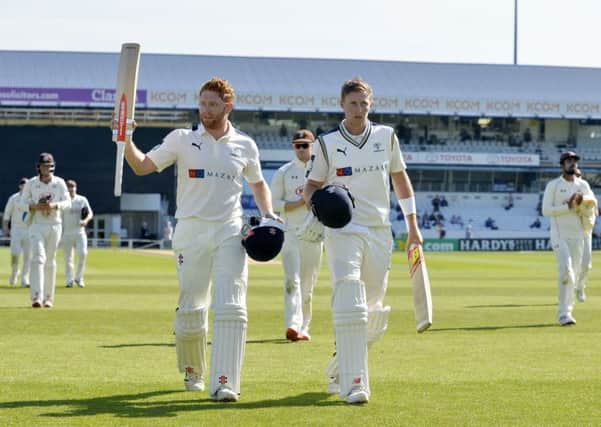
x=304 y=145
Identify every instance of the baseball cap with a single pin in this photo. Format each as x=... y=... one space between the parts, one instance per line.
x=303 y=135
x=568 y=155
x=46 y=158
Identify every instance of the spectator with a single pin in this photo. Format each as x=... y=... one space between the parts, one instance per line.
x=527 y=135
x=469 y=230
x=144 y=231
x=509 y=203
x=436 y=203
x=283 y=131
x=490 y=223
x=441 y=230
x=443 y=202
x=536 y=223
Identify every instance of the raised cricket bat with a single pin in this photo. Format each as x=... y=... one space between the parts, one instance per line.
x=420 y=282
x=125 y=105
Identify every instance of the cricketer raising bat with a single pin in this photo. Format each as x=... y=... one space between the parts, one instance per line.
x=420 y=282
x=125 y=105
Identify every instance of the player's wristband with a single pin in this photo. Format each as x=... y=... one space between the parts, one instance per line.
x=408 y=205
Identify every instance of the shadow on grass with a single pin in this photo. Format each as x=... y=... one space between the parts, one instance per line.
x=143 y=405
x=162 y=344
x=493 y=328
x=510 y=305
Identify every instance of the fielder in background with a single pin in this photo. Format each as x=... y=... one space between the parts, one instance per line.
x=212 y=160
x=75 y=220
x=364 y=157
x=14 y=215
x=45 y=197
x=301 y=258
x=588 y=212
x=564 y=204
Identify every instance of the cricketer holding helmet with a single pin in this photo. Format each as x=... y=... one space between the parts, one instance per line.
x=14 y=213
x=363 y=156
x=301 y=258
x=45 y=197
x=211 y=159
x=562 y=202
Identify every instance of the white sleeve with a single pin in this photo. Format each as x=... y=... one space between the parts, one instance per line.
x=165 y=154
x=8 y=209
x=319 y=164
x=397 y=164
x=252 y=171
x=277 y=191
x=550 y=208
x=64 y=199
x=87 y=205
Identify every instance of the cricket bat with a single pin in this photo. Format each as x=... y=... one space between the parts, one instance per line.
x=420 y=282
x=125 y=105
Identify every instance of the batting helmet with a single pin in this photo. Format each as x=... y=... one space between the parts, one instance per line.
x=263 y=240
x=333 y=205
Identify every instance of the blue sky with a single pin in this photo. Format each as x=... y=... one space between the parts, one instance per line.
x=550 y=32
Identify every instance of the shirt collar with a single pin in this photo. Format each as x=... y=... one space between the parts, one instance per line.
x=231 y=131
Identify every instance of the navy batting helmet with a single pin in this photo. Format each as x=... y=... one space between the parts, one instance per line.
x=46 y=159
x=263 y=241
x=333 y=205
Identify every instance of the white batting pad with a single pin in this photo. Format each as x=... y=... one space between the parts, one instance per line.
x=191 y=339
x=377 y=322
x=350 y=327
x=228 y=344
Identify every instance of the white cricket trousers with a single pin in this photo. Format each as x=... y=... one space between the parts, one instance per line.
x=587 y=261
x=19 y=244
x=44 y=240
x=210 y=257
x=75 y=242
x=568 y=253
x=301 y=260
x=359 y=260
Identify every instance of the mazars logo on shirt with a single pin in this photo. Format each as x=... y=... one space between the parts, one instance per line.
x=207 y=174
x=350 y=170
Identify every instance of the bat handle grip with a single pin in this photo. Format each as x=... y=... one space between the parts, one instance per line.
x=119 y=167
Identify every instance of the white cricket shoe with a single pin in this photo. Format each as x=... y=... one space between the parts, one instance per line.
x=80 y=283
x=48 y=304
x=225 y=394
x=194 y=382
x=357 y=395
x=13 y=278
x=69 y=284
x=333 y=385
x=567 y=320
x=580 y=295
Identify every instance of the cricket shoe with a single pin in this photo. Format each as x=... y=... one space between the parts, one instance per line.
x=357 y=395
x=24 y=285
x=48 y=304
x=13 y=278
x=580 y=295
x=225 y=394
x=36 y=304
x=194 y=382
x=80 y=283
x=69 y=284
x=567 y=320
x=293 y=335
x=333 y=385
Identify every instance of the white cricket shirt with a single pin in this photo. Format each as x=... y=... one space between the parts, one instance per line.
x=209 y=171
x=54 y=191
x=15 y=213
x=72 y=215
x=565 y=222
x=287 y=186
x=363 y=164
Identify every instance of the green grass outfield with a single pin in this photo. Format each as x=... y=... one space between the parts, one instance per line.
x=494 y=357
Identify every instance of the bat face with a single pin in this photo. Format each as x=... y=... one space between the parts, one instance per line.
x=420 y=284
x=125 y=104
